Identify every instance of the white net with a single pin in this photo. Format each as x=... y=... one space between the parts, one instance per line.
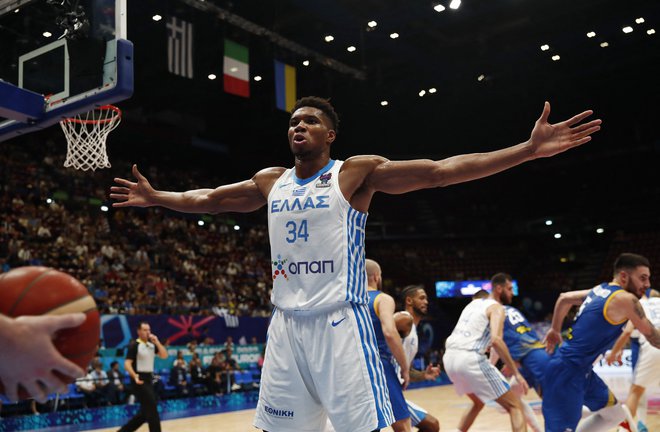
x=86 y=134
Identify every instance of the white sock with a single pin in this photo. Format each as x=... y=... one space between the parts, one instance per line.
x=532 y=421
x=604 y=419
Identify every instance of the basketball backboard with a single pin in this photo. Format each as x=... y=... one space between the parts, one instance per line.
x=60 y=58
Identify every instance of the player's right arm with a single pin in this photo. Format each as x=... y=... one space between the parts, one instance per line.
x=564 y=303
x=496 y=316
x=245 y=196
x=385 y=309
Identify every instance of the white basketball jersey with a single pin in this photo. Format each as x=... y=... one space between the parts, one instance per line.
x=316 y=241
x=472 y=332
x=652 y=310
x=410 y=346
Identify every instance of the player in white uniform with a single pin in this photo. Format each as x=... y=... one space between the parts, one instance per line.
x=479 y=327
x=317 y=211
x=416 y=304
x=647 y=372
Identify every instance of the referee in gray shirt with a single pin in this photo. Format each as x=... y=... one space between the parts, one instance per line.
x=139 y=364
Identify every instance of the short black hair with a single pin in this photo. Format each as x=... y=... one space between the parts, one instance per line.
x=139 y=326
x=114 y=363
x=410 y=291
x=629 y=261
x=500 y=278
x=482 y=293
x=322 y=104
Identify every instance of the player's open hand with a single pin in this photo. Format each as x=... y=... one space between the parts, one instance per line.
x=132 y=194
x=552 y=339
x=550 y=139
x=613 y=357
x=29 y=359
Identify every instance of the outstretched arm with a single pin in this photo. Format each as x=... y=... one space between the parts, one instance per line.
x=564 y=303
x=396 y=177
x=245 y=196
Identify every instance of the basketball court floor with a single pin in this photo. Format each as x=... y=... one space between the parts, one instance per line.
x=441 y=401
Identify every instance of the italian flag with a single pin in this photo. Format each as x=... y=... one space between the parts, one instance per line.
x=236 y=69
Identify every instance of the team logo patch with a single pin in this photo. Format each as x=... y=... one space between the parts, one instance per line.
x=278 y=266
x=324 y=180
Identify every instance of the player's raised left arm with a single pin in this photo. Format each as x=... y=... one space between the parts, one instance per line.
x=397 y=177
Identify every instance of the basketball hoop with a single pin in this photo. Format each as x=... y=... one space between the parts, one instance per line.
x=86 y=134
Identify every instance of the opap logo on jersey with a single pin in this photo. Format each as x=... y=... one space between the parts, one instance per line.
x=324 y=180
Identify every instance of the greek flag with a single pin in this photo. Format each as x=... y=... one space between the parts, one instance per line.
x=179 y=47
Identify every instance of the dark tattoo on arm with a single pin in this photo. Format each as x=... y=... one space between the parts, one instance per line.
x=639 y=310
x=654 y=337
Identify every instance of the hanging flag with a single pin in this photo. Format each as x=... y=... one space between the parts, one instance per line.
x=179 y=48
x=237 y=69
x=285 y=86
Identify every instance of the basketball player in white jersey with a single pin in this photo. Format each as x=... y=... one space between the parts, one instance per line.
x=479 y=327
x=317 y=210
x=416 y=304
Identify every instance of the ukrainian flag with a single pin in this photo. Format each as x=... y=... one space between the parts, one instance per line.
x=285 y=86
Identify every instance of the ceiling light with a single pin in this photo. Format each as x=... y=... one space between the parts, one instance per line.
x=639 y=20
x=591 y=34
x=212 y=77
x=329 y=38
x=47 y=34
x=548 y=222
x=17 y=10
x=104 y=208
x=545 y=47
x=455 y=4
x=156 y=17
x=481 y=77
x=351 y=49
x=237 y=227
x=257 y=78
x=432 y=90
x=200 y=222
x=600 y=230
x=650 y=31
x=372 y=24
x=49 y=201
x=604 y=44
x=394 y=35
x=422 y=93
x=555 y=57
x=627 y=29
x=557 y=236
x=306 y=63
x=439 y=8
x=383 y=103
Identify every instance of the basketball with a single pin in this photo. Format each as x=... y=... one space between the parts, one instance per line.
x=45 y=291
x=404 y=323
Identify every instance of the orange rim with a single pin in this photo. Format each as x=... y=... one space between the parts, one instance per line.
x=117 y=113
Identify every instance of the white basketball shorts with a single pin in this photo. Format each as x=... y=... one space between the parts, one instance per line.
x=471 y=372
x=647 y=372
x=321 y=364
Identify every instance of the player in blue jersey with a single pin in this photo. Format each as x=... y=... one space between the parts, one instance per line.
x=528 y=352
x=569 y=381
x=317 y=212
x=390 y=346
